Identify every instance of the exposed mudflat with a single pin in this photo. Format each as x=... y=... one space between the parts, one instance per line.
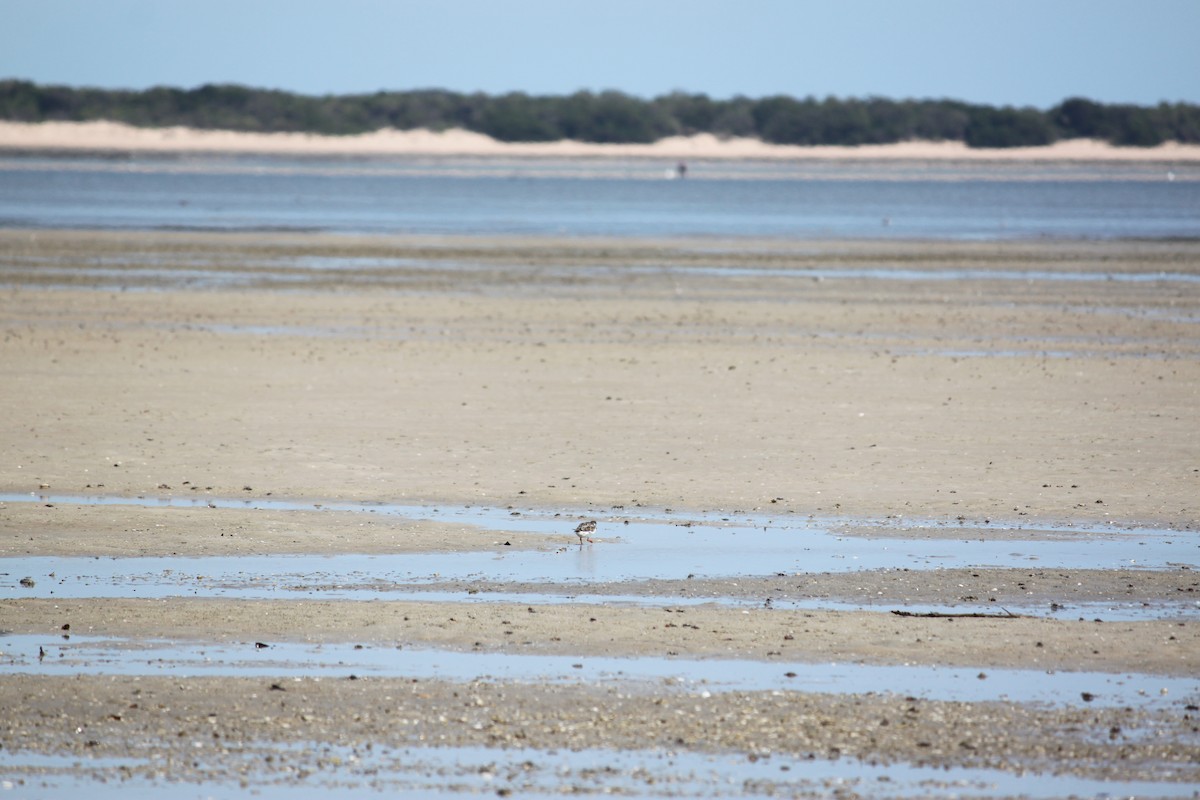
x=369 y=455
x=194 y=721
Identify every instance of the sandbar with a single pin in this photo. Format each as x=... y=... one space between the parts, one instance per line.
x=119 y=137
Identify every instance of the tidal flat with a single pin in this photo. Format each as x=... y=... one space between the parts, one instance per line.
x=288 y=514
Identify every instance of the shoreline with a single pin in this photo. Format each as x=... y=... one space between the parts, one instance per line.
x=114 y=137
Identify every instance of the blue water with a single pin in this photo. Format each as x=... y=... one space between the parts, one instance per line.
x=589 y=197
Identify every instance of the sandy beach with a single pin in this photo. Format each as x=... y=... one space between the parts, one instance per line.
x=619 y=380
x=118 y=137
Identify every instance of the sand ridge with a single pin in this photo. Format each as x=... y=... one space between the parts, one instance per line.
x=118 y=137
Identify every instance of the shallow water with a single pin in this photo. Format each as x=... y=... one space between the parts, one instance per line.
x=634 y=556
x=75 y=655
x=372 y=578
x=651 y=546
x=582 y=197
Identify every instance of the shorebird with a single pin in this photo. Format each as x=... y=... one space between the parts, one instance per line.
x=583 y=529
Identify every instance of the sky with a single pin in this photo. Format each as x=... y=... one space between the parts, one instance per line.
x=999 y=52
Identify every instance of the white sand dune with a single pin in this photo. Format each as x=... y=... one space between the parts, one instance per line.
x=115 y=136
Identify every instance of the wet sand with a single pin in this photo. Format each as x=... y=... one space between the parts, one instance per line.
x=601 y=379
x=208 y=718
x=562 y=377
x=594 y=629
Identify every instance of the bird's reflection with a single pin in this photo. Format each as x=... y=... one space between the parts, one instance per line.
x=586 y=558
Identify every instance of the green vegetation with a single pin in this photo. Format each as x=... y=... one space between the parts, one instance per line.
x=608 y=116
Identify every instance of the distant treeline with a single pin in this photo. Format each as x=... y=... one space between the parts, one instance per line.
x=608 y=116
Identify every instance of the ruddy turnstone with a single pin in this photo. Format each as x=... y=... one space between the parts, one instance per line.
x=583 y=529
